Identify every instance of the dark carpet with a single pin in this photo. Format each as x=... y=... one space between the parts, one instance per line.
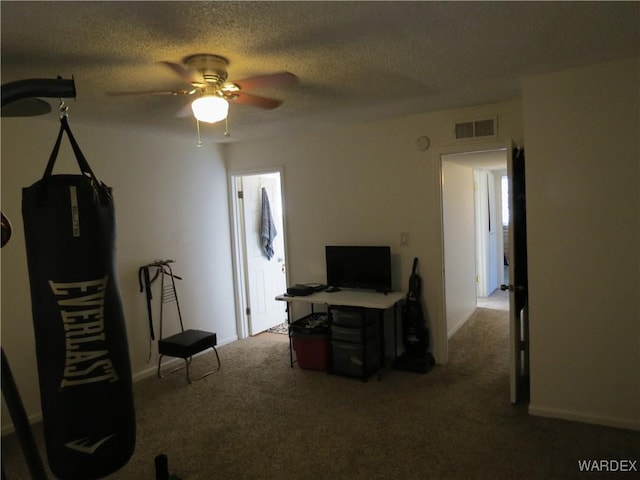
x=258 y=418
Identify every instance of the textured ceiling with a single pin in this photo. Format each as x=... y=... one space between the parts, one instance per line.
x=355 y=60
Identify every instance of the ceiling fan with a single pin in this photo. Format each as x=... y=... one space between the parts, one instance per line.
x=207 y=75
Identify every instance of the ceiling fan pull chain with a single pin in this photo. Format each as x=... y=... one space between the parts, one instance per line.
x=226 y=127
x=198 y=127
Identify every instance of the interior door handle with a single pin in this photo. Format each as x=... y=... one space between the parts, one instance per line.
x=511 y=288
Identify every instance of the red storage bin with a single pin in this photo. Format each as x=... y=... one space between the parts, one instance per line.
x=312 y=351
x=310 y=338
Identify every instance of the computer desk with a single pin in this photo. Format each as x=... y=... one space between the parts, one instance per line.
x=350 y=298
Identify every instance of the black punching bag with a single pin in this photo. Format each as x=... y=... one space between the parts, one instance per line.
x=81 y=342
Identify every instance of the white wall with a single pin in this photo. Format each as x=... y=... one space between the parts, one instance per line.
x=458 y=223
x=171 y=202
x=583 y=214
x=366 y=184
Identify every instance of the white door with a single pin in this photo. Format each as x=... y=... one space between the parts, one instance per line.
x=487 y=221
x=518 y=289
x=265 y=278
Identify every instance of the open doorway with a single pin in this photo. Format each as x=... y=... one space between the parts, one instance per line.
x=492 y=231
x=259 y=250
x=473 y=235
x=465 y=213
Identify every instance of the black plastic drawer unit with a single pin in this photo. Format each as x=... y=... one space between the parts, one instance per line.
x=355 y=341
x=354 y=317
x=354 y=335
x=355 y=360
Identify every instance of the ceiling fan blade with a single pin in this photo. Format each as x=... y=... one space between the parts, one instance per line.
x=185 y=74
x=254 y=100
x=27 y=107
x=280 y=79
x=151 y=92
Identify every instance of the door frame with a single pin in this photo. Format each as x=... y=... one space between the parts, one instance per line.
x=237 y=243
x=517 y=326
x=441 y=340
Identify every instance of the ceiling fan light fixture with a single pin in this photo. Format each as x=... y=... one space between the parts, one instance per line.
x=210 y=108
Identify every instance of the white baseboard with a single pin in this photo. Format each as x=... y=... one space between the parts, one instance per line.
x=460 y=325
x=227 y=340
x=33 y=419
x=629 y=424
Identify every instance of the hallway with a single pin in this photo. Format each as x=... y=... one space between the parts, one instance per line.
x=498 y=300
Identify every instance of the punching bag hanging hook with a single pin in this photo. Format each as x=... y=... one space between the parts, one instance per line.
x=64 y=109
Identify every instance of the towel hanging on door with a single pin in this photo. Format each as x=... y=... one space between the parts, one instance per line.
x=267 y=227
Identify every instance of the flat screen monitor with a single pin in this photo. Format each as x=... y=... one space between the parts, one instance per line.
x=364 y=267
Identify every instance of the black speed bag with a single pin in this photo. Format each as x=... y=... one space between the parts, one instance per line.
x=81 y=343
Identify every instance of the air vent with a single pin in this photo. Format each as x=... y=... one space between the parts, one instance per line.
x=482 y=128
